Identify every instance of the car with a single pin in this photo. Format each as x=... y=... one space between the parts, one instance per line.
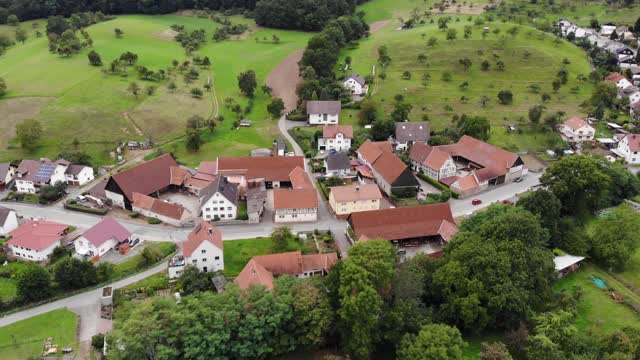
x=135 y=242
x=81 y=198
x=476 y=202
x=508 y=202
x=518 y=180
x=401 y=252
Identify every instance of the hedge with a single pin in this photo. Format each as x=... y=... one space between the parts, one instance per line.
x=153 y=221
x=437 y=184
x=85 y=209
x=297 y=117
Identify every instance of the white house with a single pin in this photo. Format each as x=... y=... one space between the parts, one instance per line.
x=432 y=161
x=356 y=84
x=323 y=112
x=219 y=200
x=295 y=205
x=628 y=148
x=35 y=240
x=101 y=238
x=79 y=174
x=8 y=221
x=607 y=30
x=336 y=137
x=202 y=249
x=33 y=174
x=7 y=172
x=618 y=79
x=576 y=130
x=634 y=98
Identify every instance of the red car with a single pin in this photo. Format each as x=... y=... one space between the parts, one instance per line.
x=476 y=202
x=508 y=202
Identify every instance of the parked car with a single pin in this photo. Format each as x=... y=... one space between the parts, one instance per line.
x=81 y=198
x=476 y=202
x=518 y=180
x=508 y=202
x=135 y=242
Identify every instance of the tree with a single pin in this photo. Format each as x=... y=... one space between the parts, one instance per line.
x=535 y=113
x=196 y=93
x=172 y=86
x=494 y=351
x=557 y=326
x=71 y=273
x=604 y=93
x=50 y=193
x=544 y=204
x=247 y=82
x=192 y=280
x=406 y=75
x=281 y=236
x=556 y=85
x=68 y=43
x=3 y=87
x=432 y=42
x=195 y=122
x=21 y=34
x=28 y=133
x=94 y=58
x=211 y=124
x=129 y=57
x=33 y=283
x=378 y=258
x=194 y=140
x=312 y=313
x=475 y=126
x=13 y=20
x=134 y=89
x=118 y=32
x=401 y=111
x=452 y=34
x=368 y=112
x=500 y=65
x=485 y=65
x=505 y=97
x=614 y=248
x=275 y=107
x=465 y=62
x=433 y=342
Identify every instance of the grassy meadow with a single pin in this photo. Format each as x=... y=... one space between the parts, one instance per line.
x=378 y=10
x=75 y=100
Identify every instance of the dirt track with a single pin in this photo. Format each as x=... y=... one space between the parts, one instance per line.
x=375 y=26
x=284 y=79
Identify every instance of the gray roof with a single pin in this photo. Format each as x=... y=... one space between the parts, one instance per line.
x=280 y=144
x=75 y=169
x=338 y=161
x=355 y=76
x=4 y=214
x=256 y=197
x=4 y=169
x=224 y=187
x=323 y=107
x=412 y=131
x=98 y=189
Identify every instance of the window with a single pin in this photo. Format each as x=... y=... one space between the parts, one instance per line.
x=229 y=208
x=208 y=209
x=217 y=258
x=195 y=261
x=203 y=251
x=204 y=259
x=221 y=215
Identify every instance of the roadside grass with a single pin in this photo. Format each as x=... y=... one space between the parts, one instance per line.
x=237 y=253
x=98 y=110
x=8 y=289
x=531 y=57
x=132 y=264
x=25 y=339
x=157 y=281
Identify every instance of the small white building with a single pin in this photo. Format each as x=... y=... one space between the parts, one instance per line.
x=35 y=240
x=628 y=148
x=336 y=137
x=323 y=112
x=8 y=221
x=607 y=30
x=295 y=205
x=356 y=84
x=219 y=200
x=202 y=249
x=101 y=238
x=79 y=174
x=576 y=130
x=7 y=172
x=566 y=264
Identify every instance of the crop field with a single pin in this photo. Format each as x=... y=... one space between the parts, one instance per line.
x=530 y=57
x=74 y=100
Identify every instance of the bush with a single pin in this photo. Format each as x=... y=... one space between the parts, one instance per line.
x=437 y=184
x=153 y=221
x=134 y=215
x=85 y=209
x=97 y=341
x=297 y=117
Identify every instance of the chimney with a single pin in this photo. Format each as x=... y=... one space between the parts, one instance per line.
x=357 y=187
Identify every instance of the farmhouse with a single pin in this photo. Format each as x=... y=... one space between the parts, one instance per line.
x=79 y=174
x=618 y=79
x=149 y=178
x=172 y=214
x=431 y=161
x=295 y=205
x=202 y=249
x=426 y=227
x=260 y=270
x=274 y=171
x=391 y=174
x=338 y=164
x=336 y=137
x=356 y=84
x=7 y=172
x=35 y=240
x=628 y=148
x=219 y=200
x=409 y=133
x=33 y=174
x=323 y=112
x=345 y=200
x=8 y=221
x=101 y=238
x=576 y=130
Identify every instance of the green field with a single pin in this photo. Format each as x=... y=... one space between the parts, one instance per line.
x=237 y=253
x=8 y=288
x=378 y=10
x=75 y=100
x=531 y=57
x=25 y=339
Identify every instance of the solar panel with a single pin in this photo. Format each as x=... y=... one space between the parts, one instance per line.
x=44 y=172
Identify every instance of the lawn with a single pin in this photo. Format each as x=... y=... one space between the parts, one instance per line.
x=68 y=93
x=237 y=253
x=531 y=57
x=7 y=282
x=377 y=10
x=132 y=264
x=25 y=339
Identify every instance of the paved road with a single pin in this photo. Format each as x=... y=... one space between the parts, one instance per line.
x=284 y=126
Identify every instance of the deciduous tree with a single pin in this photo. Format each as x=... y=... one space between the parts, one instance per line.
x=28 y=133
x=433 y=342
x=247 y=82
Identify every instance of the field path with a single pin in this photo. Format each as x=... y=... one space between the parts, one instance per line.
x=284 y=79
x=135 y=126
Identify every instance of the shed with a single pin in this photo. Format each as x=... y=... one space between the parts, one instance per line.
x=566 y=264
x=246 y=122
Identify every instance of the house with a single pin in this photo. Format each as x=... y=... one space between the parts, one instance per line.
x=345 y=200
x=35 y=240
x=391 y=174
x=337 y=164
x=219 y=200
x=79 y=174
x=607 y=29
x=202 y=249
x=148 y=178
x=33 y=174
x=408 y=133
x=274 y=171
x=335 y=137
x=432 y=161
x=566 y=264
x=634 y=110
x=618 y=79
x=323 y=112
x=356 y=84
x=576 y=130
x=261 y=269
x=295 y=205
x=172 y=214
x=8 y=221
x=634 y=97
x=279 y=147
x=300 y=179
x=7 y=172
x=101 y=238
x=629 y=148
x=427 y=227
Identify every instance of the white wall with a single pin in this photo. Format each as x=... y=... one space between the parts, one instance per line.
x=116 y=199
x=296 y=215
x=83 y=244
x=33 y=255
x=353 y=85
x=220 y=206
x=339 y=143
x=321 y=119
x=10 y=224
x=25 y=186
x=85 y=176
x=207 y=256
x=630 y=156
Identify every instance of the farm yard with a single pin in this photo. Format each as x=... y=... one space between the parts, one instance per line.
x=74 y=100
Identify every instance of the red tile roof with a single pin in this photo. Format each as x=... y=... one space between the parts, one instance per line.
x=371 y=151
x=38 y=234
x=146 y=178
x=482 y=153
x=402 y=223
x=295 y=199
x=575 y=123
x=254 y=274
x=202 y=232
x=430 y=156
x=330 y=131
x=178 y=175
x=106 y=229
x=300 y=179
x=208 y=167
x=382 y=159
x=276 y=168
x=614 y=77
x=356 y=192
x=156 y=206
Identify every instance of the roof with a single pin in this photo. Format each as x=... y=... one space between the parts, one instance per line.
x=575 y=123
x=4 y=214
x=275 y=168
x=355 y=76
x=370 y=150
x=482 y=153
x=220 y=185
x=330 y=131
x=98 y=189
x=254 y=274
x=75 y=169
x=323 y=107
x=146 y=178
x=412 y=131
x=156 y=206
x=208 y=167
x=564 y=261
x=389 y=166
x=4 y=169
x=468 y=182
x=106 y=229
x=356 y=192
x=178 y=175
x=338 y=161
x=38 y=234
x=295 y=199
x=634 y=142
x=403 y=222
x=429 y=156
x=201 y=233
x=300 y=179
x=38 y=170
x=614 y=77
x=364 y=171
